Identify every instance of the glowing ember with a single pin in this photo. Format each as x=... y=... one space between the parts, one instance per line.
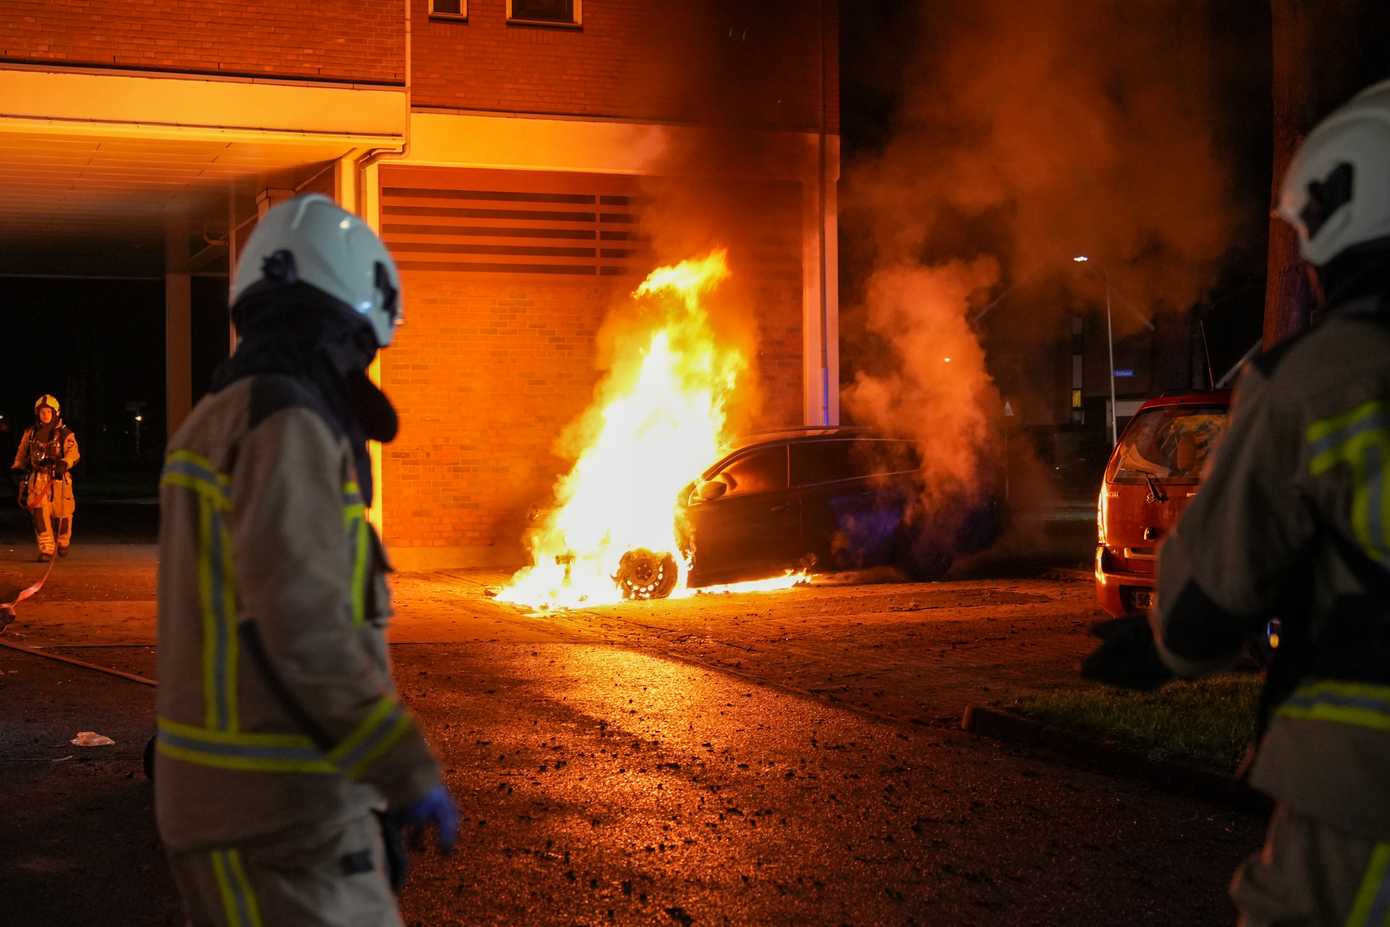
x=657 y=422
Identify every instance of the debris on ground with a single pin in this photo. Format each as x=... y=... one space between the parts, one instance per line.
x=91 y=739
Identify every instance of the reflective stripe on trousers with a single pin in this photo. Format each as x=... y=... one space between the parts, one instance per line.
x=238 y=898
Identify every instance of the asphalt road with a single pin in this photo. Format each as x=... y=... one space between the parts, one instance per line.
x=602 y=784
x=786 y=758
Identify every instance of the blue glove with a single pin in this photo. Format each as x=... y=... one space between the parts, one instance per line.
x=435 y=808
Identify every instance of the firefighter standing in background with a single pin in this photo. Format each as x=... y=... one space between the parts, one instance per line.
x=48 y=451
x=280 y=729
x=1293 y=520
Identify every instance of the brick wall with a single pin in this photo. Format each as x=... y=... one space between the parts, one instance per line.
x=487 y=372
x=727 y=61
x=722 y=61
x=341 y=40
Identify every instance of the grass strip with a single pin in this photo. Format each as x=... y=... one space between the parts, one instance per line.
x=1207 y=721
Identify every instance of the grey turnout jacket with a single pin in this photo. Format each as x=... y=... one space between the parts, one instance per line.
x=1293 y=521
x=277 y=710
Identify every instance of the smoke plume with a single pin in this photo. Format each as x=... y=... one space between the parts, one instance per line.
x=1024 y=134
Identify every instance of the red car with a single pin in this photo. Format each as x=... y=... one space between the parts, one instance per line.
x=1153 y=473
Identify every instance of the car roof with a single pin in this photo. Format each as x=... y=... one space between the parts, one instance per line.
x=809 y=434
x=1218 y=397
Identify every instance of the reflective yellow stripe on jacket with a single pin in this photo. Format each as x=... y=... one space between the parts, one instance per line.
x=246 y=752
x=216 y=583
x=1361 y=440
x=378 y=733
x=1356 y=703
x=1372 y=907
x=355 y=519
x=384 y=725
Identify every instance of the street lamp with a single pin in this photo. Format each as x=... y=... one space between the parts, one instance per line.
x=1110 y=344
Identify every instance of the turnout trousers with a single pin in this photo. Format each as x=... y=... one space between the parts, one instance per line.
x=1311 y=874
x=338 y=880
x=52 y=532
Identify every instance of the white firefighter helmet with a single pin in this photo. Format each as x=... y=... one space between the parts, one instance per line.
x=50 y=400
x=329 y=249
x=1336 y=192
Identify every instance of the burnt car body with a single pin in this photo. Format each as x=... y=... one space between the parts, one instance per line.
x=825 y=500
x=1154 y=472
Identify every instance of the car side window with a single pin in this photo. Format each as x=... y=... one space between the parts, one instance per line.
x=821 y=462
x=761 y=471
x=874 y=457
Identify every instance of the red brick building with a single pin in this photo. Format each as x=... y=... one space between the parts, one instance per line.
x=528 y=161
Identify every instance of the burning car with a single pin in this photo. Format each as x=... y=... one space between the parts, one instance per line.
x=1152 y=475
x=810 y=499
x=640 y=514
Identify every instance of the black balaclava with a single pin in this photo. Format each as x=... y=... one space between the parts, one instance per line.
x=1360 y=271
x=299 y=331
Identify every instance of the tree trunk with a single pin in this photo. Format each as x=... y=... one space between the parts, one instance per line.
x=1324 y=52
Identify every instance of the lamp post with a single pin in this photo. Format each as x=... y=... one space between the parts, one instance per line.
x=1110 y=345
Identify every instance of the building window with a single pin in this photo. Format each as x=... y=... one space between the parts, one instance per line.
x=449 y=9
x=544 y=12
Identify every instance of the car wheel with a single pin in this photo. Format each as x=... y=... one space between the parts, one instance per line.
x=646 y=574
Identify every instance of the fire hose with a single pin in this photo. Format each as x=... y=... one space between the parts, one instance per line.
x=7 y=616
x=7 y=609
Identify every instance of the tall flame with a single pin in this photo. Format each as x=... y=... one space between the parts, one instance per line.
x=660 y=418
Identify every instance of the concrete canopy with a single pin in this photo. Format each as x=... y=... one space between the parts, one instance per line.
x=96 y=166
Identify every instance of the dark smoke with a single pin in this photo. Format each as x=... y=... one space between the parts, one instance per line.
x=1024 y=134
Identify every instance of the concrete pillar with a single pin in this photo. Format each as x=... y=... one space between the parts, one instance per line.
x=269 y=198
x=178 y=323
x=820 y=294
x=350 y=195
x=232 y=255
x=345 y=181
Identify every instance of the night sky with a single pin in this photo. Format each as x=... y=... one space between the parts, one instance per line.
x=883 y=41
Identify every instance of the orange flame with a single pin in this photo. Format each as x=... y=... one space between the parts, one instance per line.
x=659 y=418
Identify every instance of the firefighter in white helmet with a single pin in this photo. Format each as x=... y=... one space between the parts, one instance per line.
x=286 y=763
x=1293 y=522
x=47 y=452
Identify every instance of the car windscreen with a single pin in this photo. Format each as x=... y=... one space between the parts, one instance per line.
x=1168 y=443
x=763 y=470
